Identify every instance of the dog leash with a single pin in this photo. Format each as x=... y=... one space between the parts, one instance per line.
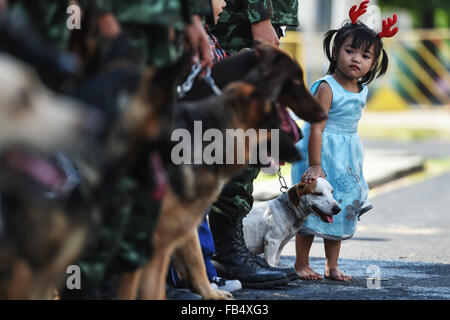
x=187 y=85
x=211 y=83
x=284 y=188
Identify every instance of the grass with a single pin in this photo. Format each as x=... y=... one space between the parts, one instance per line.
x=399 y=133
x=402 y=134
x=433 y=167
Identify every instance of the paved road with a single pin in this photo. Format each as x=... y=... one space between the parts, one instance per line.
x=404 y=240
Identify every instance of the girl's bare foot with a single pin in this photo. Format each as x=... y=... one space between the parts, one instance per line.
x=306 y=273
x=336 y=274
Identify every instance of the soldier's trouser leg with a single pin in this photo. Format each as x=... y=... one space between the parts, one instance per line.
x=134 y=248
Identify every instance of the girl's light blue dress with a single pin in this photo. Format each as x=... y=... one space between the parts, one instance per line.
x=342 y=162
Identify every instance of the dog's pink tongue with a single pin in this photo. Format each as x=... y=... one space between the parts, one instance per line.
x=329 y=219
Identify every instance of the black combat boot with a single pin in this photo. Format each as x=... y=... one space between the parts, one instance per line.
x=289 y=272
x=233 y=260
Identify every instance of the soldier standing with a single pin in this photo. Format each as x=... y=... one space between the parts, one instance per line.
x=239 y=24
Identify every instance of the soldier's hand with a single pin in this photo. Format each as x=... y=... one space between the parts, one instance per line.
x=108 y=26
x=198 y=42
x=265 y=32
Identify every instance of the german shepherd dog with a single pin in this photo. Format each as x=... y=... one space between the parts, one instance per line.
x=269 y=75
x=47 y=208
x=40 y=230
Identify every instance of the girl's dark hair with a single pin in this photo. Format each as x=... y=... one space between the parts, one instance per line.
x=363 y=38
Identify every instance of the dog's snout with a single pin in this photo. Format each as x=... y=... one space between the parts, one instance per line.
x=336 y=209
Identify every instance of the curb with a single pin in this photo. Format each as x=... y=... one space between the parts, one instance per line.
x=397 y=175
x=380 y=167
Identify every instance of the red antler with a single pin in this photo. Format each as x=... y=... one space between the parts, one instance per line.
x=354 y=14
x=386 y=31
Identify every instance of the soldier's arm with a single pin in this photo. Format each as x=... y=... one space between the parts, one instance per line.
x=197 y=40
x=108 y=26
x=259 y=14
x=196 y=36
x=107 y=23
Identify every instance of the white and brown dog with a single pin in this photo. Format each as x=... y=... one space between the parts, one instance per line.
x=271 y=224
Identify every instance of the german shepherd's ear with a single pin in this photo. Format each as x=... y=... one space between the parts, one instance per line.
x=161 y=82
x=274 y=68
x=266 y=54
x=167 y=77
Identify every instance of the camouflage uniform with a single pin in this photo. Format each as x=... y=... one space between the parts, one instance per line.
x=234 y=33
x=123 y=241
x=154 y=27
x=47 y=16
x=234 y=26
x=126 y=239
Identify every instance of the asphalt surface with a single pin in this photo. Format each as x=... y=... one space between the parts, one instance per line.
x=372 y=280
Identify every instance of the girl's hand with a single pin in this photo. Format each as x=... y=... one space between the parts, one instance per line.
x=313 y=172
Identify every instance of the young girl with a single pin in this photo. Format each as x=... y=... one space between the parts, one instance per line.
x=332 y=148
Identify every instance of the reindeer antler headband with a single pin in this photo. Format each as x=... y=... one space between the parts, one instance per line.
x=386 y=32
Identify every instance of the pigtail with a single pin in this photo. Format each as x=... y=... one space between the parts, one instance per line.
x=384 y=64
x=379 y=70
x=328 y=49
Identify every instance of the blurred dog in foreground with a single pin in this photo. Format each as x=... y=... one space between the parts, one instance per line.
x=57 y=159
x=43 y=222
x=32 y=115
